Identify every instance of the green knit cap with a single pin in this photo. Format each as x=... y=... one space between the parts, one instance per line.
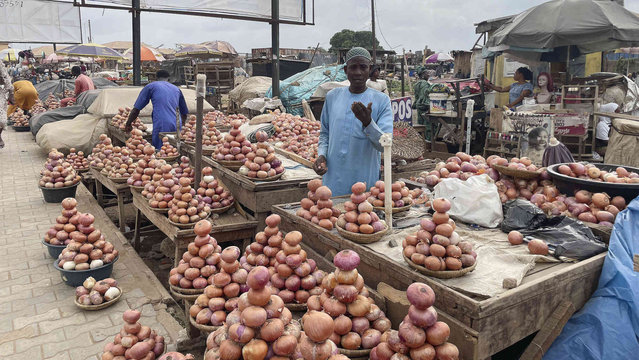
x=358 y=52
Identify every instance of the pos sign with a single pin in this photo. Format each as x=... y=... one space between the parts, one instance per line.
x=402 y=110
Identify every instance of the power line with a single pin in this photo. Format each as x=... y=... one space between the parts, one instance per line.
x=380 y=30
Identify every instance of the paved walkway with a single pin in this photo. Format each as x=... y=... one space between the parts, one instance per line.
x=38 y=318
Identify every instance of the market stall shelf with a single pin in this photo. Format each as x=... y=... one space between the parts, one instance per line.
x=120 y=136
x=121 y=190
x=293 y=156
x=485 y=324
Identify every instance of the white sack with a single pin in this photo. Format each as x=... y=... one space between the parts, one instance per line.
x=81 y=132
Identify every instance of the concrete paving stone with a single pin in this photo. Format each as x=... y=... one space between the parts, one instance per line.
x=60 y=356
x=48 y=326
x=25 y=343
x=23 y=295
x=34 y=352
x=5 y=307
x=6 y=320
x=50 y=349
x=44 y=283
x=7 y=348
x=25 y=332
x=94 y=351
x=23 y=321
x=73 y=331
x=105 y=333
x=66 y=308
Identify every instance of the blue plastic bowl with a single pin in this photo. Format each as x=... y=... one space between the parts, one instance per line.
x=77 y=277
x=54 y=250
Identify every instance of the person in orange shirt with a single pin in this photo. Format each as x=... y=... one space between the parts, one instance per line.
x=82 y=84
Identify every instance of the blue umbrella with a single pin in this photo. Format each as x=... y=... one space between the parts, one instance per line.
x=91 y=50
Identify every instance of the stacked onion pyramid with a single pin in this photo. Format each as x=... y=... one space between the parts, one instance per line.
x=198 y=264
x=134 y=341
x=317 y=207
x=359 y=216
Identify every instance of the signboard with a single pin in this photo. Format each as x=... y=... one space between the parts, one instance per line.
x=402 y=109
x=535 y=131
x=570 y=124
x=510 y=66
x=33 y=21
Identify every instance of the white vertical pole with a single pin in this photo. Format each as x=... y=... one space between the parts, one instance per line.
x=387 y=142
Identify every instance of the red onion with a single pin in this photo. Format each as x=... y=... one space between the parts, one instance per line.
x=422 y=318
x=258 y=278
x=346 y=260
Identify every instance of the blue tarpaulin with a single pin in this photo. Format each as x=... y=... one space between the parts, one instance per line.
x=302 y=85
x=608 y=325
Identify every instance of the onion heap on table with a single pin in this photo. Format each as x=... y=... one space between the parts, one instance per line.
x=317 y=207
x=222 y=296
x=135 y=341
x=210 y=135
x=77 y=160
x=294 y=277
x=437 y=246
x=234 y=145
x=145 y=169
x=71 y=101
x=172 y=355
x=263 y=329
x=183 y=169
x=212 y=193
x=523 y=163
x=167 y=150
x=57 y=172
x=591 y=172
x=52 y=102
x=461 y=166
x=19 y=118
x=120 y=119
x=162 y=187
x=100 y=152
x=60 y=233
x=267 y=244
x=93 y=292
x=198 y=264
x=87 y=249
x=120 y=164
x=261 y=161
x=136 y=144
x=358 y=322
x=359 y=216
x=225 y=121
x=37 y=108
x=420 y=335
x=186 y=207
x=399 y=194
x=315 y=343
x=296 y=134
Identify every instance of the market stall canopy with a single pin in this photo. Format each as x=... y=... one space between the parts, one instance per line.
x=9 y=55
x=91 y=50
x=146 y=54
x=438 y=57
x=222 y=46
x=587 y=25
x=197 y=49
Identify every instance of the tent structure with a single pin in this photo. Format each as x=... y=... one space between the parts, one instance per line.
x=222 y=46
x=146 y=54
x=91 y=50
x=197 y=50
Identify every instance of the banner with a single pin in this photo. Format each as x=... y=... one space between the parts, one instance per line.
x=402 y=109
x=33 y=21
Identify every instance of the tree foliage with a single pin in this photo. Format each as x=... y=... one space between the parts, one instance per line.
x=347 y=39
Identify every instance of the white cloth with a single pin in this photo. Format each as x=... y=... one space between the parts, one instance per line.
x=379 y=85
x=603 y=126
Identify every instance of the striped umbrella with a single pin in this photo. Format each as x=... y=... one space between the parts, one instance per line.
x=146 y=54
x=91 y=50
x=438 y=57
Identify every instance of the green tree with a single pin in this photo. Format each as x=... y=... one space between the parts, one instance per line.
x=347 y=39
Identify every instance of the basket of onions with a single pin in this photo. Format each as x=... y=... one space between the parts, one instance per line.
x=52 y=102
x=420 y=335
x=186 y=208
x=461 y=166
x=400 y=196
x=436 y=249
x=318 y=206
x=261 y=325
x=136 y=144
x=77 y=160
x=267 y=244
x=212 y=193
x=360 y=224
x=184 y=169
x=143 y=173
x=520 y=168
x=614 y=180
x=134 y=341
x=101 y=151
x=58 y=236
x=198 y=264
x=358 y=322
x=231 y=152
x=96 y=295
x=261 y=163
x=210 y=309
x=160 y=191
x=59 y=180
x=20 y=120
x=167 y=152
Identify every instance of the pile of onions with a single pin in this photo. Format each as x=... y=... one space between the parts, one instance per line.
x=120 y=164
x=420 y=335
x=318 y=206
x=359 y=216
x=225 y=121
x=145 y=169
x=120 y=119
x=60 y=233
x=19 y=118
x=211 y=136
x=212 y=193
x=134 y=341
x=136 y=144
x=57 y=172
x=184 y=169
x=163 y=184
x=296 y=134
x=261 y=161
x=234 y=145
x=461 y=166
x=400 y=194
x=87 y=249
x=167 y=150
x=186 y=207
x=315 y=342
x=199 y=263
x=509 y=189
x=591 y=172
x=267 y=244
x=357 y=322
x=523 y=163
x=101 y=151
x=222 y=296
x=93 y=292
x=437 y=246
x=77 y=160
x=52 y=102
x=261 y=326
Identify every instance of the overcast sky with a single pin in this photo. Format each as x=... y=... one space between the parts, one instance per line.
x=442 y=25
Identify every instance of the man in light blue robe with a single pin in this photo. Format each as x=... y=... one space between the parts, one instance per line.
x=349 y=150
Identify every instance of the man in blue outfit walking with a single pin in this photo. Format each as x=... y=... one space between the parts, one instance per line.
x=166 y=98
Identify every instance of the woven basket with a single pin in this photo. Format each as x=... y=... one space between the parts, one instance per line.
x=516 y=173
x=444 y=274
x=186 y=226
x=296 y=307
x=160 y=210
x=168 y=159
x=118 y=180
x=231 y=165
x=361 y=238
x=185 y=294
x=270 y=178
x=353 y=354
x=203 y=328
x=99 y=306
x=222 y=209
x=395 y=209
x=408 y=144
x=137 y=188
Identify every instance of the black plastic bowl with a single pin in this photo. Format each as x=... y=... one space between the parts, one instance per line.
x=54 y=250
x=56 y=195
x=76 y=278
x=568 y=185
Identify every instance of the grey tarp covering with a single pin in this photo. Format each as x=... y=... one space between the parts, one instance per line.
x=57 y=87
x=87 y=98
x=587 y=24
x=251 y=88
x=65 y=113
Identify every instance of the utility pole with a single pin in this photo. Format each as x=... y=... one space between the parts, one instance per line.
x=373 y=26
x=137 y=64
x=275 y=47
x=90 y=34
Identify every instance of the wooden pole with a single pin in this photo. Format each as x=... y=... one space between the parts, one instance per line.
x=200 y=90
x=373 y=28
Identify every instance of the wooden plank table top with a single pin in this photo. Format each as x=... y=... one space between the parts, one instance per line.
x=120 y=191
x=499 y=321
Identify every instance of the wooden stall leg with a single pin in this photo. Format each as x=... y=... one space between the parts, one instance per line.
x=121 y=212
x=99 y=194
x=176 y=259
x=432 y=134
x=136 y=232
x=549 y=331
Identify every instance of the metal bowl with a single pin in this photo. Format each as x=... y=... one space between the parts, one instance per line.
x=568 y=185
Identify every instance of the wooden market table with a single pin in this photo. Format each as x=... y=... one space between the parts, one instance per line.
x=226 y=227
x=484 y=325
x=120 y=190
x=120 y=136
